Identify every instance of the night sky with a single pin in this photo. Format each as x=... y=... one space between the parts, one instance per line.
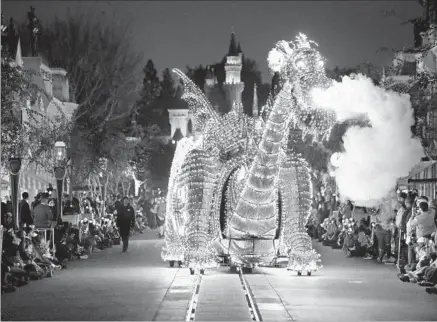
x=180 y=33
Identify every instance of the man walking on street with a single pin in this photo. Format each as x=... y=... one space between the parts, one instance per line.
x=125 y=221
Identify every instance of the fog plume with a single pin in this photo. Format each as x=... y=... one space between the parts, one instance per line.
x=374 y=157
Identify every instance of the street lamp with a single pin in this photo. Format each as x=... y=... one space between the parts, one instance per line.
x=103 y=165
x=14 y=173
x=60 y=159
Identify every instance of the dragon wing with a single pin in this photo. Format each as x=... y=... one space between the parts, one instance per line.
x=198 y=104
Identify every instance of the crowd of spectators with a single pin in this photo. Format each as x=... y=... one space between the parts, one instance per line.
x=43 y=242
x=401 y=231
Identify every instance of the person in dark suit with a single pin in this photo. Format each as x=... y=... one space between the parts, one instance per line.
x=24 y=210
x=3 y=213
x=125 y=221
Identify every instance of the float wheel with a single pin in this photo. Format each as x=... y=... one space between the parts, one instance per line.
x=202 y=272
x=247 y=270
x=191 y=271
x=171 y=263
x=180 y=263
x=309 y=273
x=299 y=273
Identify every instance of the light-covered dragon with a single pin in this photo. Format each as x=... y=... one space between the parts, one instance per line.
x=241 y=191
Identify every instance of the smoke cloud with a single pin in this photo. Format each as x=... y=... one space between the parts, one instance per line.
x=373 y=157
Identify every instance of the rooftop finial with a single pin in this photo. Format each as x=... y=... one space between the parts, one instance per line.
x=233 y=46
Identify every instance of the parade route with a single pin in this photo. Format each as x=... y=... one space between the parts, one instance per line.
x=138 y=286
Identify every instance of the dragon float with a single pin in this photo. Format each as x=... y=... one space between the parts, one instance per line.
x=240 y=193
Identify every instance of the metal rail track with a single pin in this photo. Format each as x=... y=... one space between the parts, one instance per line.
x=253 y=309
x=191 y=312
x=194 y=302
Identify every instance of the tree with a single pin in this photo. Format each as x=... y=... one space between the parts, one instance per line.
x=337 y=73
x=150 y=93
x=101 y=69
x=25 y=131
x=167 y=84
x=421 y=85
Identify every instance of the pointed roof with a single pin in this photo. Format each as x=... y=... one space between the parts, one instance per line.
x=233 y=50
x=18 y=56
x=255 y=102
x=209 y=72
x=239 y=49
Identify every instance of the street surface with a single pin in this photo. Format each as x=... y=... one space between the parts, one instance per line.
x=137 y=285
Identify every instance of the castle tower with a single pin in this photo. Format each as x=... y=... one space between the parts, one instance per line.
x=210 y=81
x=233 y=86
x=255 y=102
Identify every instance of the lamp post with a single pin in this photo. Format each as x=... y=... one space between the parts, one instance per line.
x=14 y=173
x=103 y=165
x=60 y=158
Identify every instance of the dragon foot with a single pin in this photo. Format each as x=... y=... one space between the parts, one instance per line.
x=304 y=261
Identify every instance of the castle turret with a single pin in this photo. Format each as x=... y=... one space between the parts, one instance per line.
x=210 y=79
x=255 y=102
x=233 y=86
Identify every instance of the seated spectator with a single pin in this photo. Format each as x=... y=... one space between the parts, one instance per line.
x=331 y=229
x=8 y=221
x=323 y=230
x=425 y=274
x=351 y=245
x=342 y=234
x=365 y=243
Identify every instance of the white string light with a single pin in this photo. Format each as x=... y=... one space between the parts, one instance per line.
x=245 y=161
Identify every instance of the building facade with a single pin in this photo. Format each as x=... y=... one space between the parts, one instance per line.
x=408 y=64
x=54 y=83
x=222 y=98
x=411 y=62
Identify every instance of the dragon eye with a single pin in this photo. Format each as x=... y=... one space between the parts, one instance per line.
x=301 y=64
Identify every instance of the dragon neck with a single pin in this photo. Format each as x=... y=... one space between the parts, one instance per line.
x=260 y=185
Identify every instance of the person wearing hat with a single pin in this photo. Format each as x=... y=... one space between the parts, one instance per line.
x=42 y=214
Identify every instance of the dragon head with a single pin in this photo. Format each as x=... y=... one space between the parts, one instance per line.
x=301 y=64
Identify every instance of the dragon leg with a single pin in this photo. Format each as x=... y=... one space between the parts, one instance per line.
x=199 y=176
x=296 y=200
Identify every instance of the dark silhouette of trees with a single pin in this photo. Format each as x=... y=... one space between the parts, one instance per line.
x=101 y=69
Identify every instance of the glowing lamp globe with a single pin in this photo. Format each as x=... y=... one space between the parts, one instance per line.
x=60 y=151
x=336 y=159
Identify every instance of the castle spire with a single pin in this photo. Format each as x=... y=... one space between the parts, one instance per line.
x=239 y=49
x=233 y=51
x=255 y=102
